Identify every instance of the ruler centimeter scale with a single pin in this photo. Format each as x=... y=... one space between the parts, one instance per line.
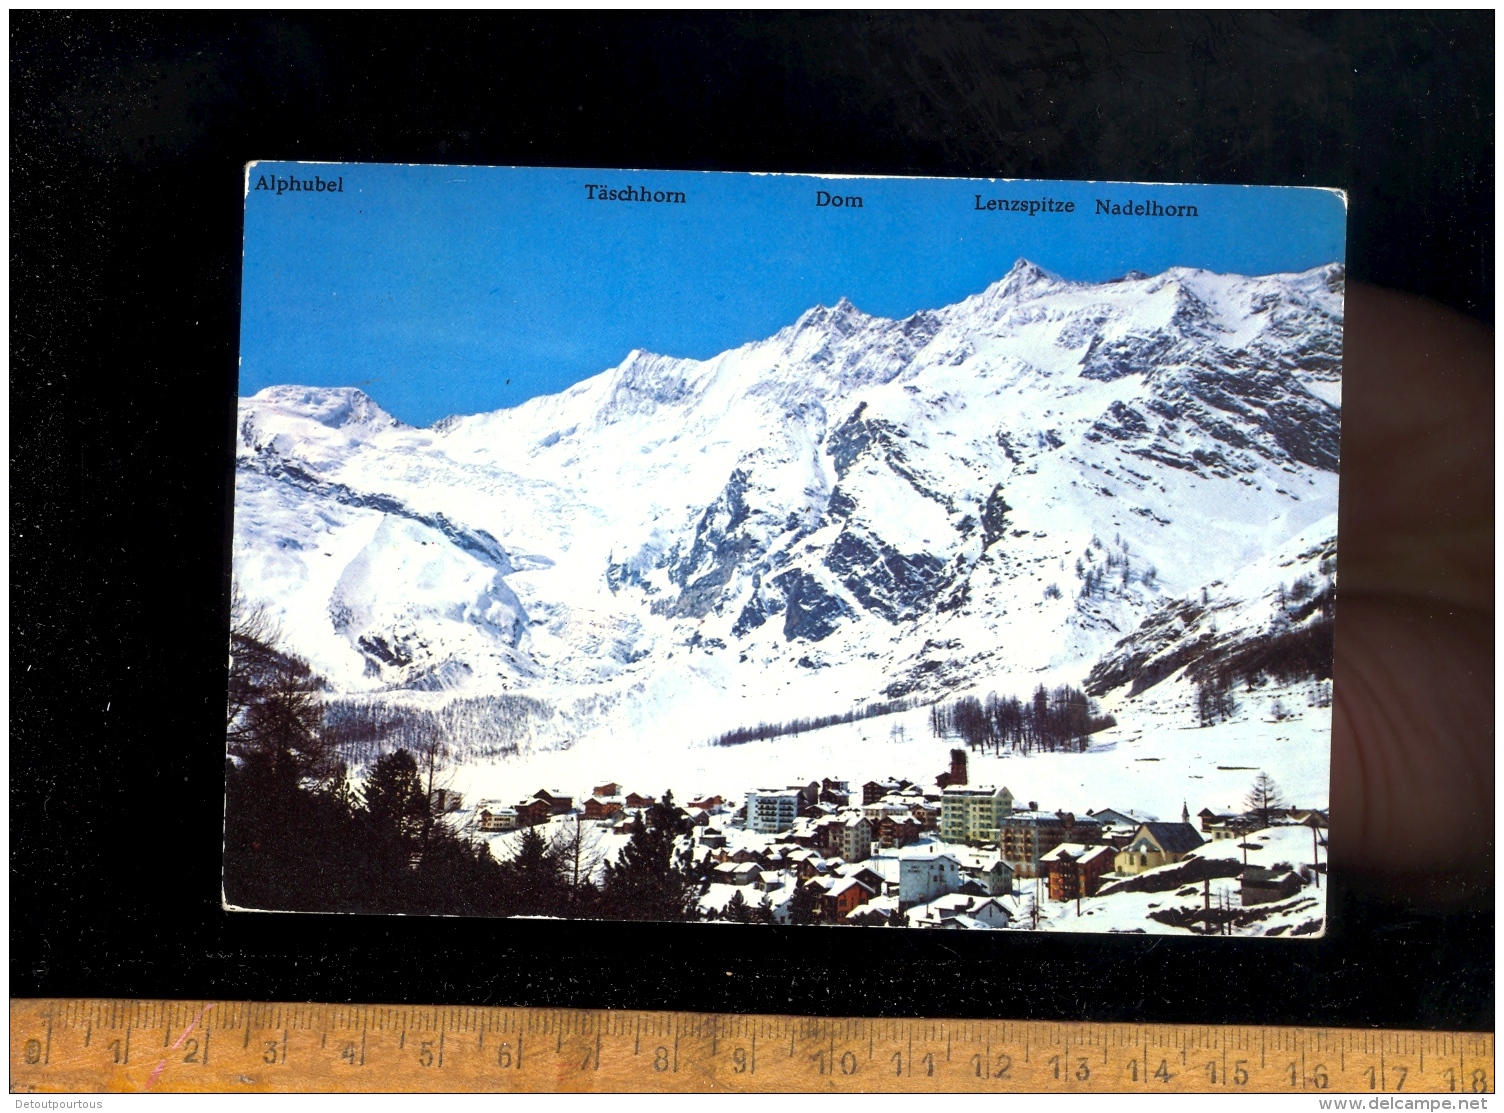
x=83 y=1046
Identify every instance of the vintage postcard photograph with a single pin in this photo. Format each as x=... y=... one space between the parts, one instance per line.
x=764 y=549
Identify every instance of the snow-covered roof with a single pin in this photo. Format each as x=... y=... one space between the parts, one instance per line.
x=839 y=886
x=1078 y=851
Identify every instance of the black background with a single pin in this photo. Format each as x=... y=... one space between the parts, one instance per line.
x=128 y=137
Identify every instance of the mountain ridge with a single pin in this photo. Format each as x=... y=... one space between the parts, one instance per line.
x=894 y=507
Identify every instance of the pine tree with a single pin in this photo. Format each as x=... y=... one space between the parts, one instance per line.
x=650 y=881
x=804 y=904
x=532 y=877
x=394 y=802
x=736 y=909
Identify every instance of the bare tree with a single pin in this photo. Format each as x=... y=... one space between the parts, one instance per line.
x=433 y=766
x=253 y=637
x=576 y=847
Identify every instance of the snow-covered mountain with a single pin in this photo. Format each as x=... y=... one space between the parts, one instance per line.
x=856 y=508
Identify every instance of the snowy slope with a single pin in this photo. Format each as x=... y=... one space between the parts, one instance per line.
x=855 y=508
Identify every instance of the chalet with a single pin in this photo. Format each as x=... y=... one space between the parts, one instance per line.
x=1121 y=819
x=1262 y=886
x=497 y=819
x=558 y=803
x=804 y=833
x=707 y=803
x=742 y=854
x=863 y=873
x=610 y=788
x=1076 y=870
x=737 y=873
x=828 y=835
x=927 y=813
x=873 y=791
x=838 y=896
x=878 y=910
x=837 y=793
x=769 y=880
x=1310 y=817
x=1026 y=836
x=897 y=830
x=888 y=805
x=603 y=807
x=994 y=875
x=1210 y=819
x=698 y=817
x=957 y=911
x=1157 y=844
x=809 y=795
x=534 y=812
x=712 y=838
x=637 y=800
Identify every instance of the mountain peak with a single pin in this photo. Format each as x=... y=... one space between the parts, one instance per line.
x=1023 y=278
x=334 y=406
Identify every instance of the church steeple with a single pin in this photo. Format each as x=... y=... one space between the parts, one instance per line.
x=1185 y=812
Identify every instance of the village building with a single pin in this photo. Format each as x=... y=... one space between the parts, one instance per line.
x=827 y=833
x=445 y=800
x=1076 y=870
x=637 y=800
x=768 y=880
x=836 y=793
x=1026 y=836
x=610 y=788
x=864 y=873
x=771 y=810
x=496 y=818
x=994 y=875
x=888 y=805
x=809 y=795
x=534 y=812
x=603 y=807
x=924 y=876
x=558 y=802
x=855 y=839
x=972 y=814
x=873 y=791
x=897 y=830
x=880 y=910
x=839 y=896
x=1261 y=886
x=927 y=812
x=713 y=838
x=737 y=873
x=963 y=912
x=1156 y=844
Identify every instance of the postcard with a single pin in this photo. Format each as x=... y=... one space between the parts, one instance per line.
x=785 y=550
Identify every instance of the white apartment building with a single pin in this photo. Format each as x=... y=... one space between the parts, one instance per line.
x=770 y=810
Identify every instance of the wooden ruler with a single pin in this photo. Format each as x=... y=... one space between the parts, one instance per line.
x=82 y=1046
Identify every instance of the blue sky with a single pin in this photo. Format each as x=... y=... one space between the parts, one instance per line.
x=442 y=289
